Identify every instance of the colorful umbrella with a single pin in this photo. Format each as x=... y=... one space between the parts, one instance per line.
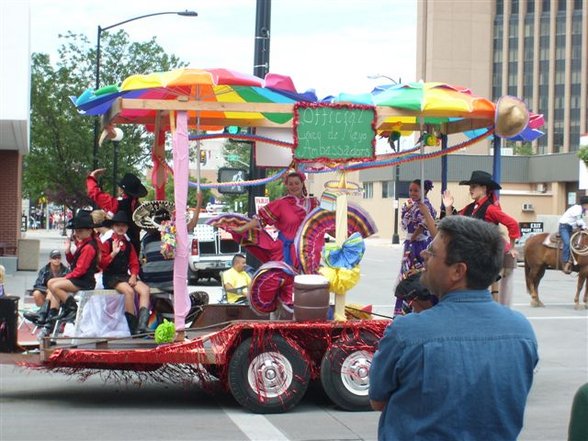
x=202 y=85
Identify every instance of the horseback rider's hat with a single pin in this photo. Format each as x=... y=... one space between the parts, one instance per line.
x=480 y=177
x=132 y=186
x=120 y=217
x=82 y=219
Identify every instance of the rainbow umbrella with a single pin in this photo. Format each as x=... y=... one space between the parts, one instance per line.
x=413 y=105
x=202 y=85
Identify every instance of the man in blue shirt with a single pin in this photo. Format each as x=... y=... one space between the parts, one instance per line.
x=461 y=370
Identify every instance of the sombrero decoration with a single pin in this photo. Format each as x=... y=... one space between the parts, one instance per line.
x=227 y=221
x=511 y=117
x=310 y=238
x=272 y=283
x=150 y=214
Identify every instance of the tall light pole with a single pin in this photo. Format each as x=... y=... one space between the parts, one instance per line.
x=97 y=85
x=395 y=148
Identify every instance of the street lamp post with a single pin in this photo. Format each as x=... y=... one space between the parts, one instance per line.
x=116 y=141
x=97 y=85
x=396 y=148
x=395 y=237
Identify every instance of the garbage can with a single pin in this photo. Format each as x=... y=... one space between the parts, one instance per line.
x=8 y=323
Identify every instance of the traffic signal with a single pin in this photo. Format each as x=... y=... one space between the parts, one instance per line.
x=203 y=156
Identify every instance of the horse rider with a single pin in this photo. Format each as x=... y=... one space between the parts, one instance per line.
x=573 y=217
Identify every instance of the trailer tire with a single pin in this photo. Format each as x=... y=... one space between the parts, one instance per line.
x=268 y=375
x=345 y=372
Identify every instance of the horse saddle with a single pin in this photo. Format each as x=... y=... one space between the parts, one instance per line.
x=553 y=240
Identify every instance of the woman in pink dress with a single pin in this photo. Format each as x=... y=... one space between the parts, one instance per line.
x=286 y=215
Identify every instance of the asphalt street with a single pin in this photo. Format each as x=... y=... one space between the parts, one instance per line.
x=37 y=405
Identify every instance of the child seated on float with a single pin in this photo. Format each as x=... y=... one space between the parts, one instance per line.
x=83 y=263
x=120 y=271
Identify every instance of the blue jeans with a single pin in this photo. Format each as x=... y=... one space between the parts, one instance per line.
x=565 y=231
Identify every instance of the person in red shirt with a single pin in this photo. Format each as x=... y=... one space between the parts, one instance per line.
x=120 y=271
x=130 y=190
x=83 y=263
x=487 y=208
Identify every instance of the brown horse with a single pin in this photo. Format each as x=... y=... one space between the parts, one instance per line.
x=539 y=257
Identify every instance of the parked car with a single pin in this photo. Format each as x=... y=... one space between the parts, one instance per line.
x=211 y=251
x=520 y=246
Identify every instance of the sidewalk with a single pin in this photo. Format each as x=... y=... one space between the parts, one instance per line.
x=17 y=283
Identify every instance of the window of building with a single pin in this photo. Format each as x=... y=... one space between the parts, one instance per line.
x=368 y=190
x=499 y=7
x=514 y=7
x=530 y=7
x=387 y=189
x=561 y=5
x=578 y=5
x=545 y=5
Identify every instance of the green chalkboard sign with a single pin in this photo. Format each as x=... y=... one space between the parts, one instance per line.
x=333 y=132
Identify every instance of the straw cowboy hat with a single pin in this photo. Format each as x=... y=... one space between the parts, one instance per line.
x=132 y=186
x=480 y=177
x=511 y=117
x=150 y=214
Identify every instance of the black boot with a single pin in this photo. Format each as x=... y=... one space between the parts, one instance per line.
x=49 y=324
x=39 y=317
x=132 y=322
x=143 y=319
x=69 y=310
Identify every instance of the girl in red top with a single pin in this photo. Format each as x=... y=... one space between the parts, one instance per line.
x=83 y=263
x=120 y=271
x=286 y=214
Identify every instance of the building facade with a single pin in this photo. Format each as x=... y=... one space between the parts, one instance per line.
x=14 y=120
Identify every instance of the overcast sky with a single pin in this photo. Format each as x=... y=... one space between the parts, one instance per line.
x=329 y=45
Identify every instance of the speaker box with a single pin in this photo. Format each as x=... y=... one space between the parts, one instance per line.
x=8 y=323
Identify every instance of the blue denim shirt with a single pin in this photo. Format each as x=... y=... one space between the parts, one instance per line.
x=461 y=370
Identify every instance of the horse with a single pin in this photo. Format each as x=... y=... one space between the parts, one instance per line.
x=539 y=257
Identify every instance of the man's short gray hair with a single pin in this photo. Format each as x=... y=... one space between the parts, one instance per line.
x=478 y=244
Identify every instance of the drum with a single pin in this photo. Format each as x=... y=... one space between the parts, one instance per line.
x=311 y=297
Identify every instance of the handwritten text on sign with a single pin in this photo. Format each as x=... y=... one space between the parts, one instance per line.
x=334 y=131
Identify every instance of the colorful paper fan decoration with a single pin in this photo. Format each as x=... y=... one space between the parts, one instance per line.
x=340 y=280
x=228 y=221
x=348 y=255
x=168 y=239
x=272 y=283
x=310 y=238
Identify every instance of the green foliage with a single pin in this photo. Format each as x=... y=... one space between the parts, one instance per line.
x=523 y=149
x=583 y=154
x=62 y=139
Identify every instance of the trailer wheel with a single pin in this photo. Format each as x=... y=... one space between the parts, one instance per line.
x=268 y=376
x=345 y=372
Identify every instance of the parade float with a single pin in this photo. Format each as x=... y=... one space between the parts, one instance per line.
x=267 y=364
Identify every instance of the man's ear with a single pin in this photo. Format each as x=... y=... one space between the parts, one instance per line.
x=459 y=271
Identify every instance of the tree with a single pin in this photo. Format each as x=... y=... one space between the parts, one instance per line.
x=62 y=139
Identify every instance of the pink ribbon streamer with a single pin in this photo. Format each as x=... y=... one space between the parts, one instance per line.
x=181 y=172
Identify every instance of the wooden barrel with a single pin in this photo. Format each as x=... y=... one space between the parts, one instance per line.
x=311 y=297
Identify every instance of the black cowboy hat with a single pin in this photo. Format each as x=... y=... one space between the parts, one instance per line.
x=132 y=186
x=482 y=178
x=120 y=217
x=583 y=200
x=82 y=219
